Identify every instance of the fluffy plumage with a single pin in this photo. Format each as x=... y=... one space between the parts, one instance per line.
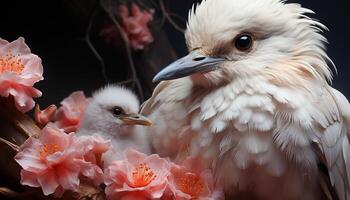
x=99 y=118
x=266 y=119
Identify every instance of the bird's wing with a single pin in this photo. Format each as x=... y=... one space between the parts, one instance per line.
x=168 y=112
x=167 y=92
x=334 y=143
x=148 y=105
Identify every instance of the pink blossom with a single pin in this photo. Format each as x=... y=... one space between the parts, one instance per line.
x=19 y=71
x=69 y=115
x=49 y=162
x=91 y=161
x=191 y=181
x=44 y=116
x=137 y=177
x=135 y=27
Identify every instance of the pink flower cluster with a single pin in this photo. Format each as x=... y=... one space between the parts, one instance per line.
x=134 y=25
x=139 y=176
x=68 y=116
x=56 y=161
x=19 y=71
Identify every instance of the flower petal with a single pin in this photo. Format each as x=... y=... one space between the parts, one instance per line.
x=30 y=162
x=157 y=191
x=69 y=115
x=44 y=116
x=3 y=42
x=29 y=178
x=68 y=176
x=134 y=157
x=28 y=157
x=115 y=173
x=91 y=171
x=48 y=182
x=24 y=101
x=134 y=196
x=53 y=135
x=16 y=47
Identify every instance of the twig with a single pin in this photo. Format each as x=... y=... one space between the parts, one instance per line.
x=92 y=48
x=154 y=4
x=177 y=16
x=23 y=123
x=125 y=82
x=30 y=194
x=10 y=144
x=169 y=18
x=6 y=192
x=142 y=4
x=128 y=52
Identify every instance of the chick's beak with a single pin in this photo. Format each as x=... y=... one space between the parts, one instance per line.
x=136 y=119
x=193 y=63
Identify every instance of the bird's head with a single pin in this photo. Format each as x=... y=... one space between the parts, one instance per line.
x=113 y=109
x=232 y=39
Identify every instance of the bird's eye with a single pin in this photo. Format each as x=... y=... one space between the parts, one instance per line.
x=243 y=42
x=117 y=111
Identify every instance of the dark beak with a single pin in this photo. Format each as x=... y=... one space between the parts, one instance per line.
x=136 y=119
x=190 y=64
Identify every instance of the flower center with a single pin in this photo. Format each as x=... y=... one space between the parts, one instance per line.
x=49 y=149
x=191 y=185
x=142 y=175
x=11 y=63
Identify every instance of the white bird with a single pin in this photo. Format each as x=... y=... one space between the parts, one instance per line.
x=112 y=113
x=253 y=99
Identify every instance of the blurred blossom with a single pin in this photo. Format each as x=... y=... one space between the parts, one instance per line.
x=134 y=27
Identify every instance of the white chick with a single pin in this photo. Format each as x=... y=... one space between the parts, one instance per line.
x=113 y=114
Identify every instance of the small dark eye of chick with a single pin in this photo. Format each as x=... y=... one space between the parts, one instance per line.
x=117 y=111
x=243 y=42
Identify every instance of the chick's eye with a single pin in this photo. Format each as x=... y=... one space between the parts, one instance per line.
x=243 y=42
x=117 y=111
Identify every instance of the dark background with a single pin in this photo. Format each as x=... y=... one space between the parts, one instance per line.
x=53 y=31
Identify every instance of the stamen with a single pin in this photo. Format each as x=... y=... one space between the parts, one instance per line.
x=191 y=185
x=12 y=63
x=142 y=176
x=49 y=149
